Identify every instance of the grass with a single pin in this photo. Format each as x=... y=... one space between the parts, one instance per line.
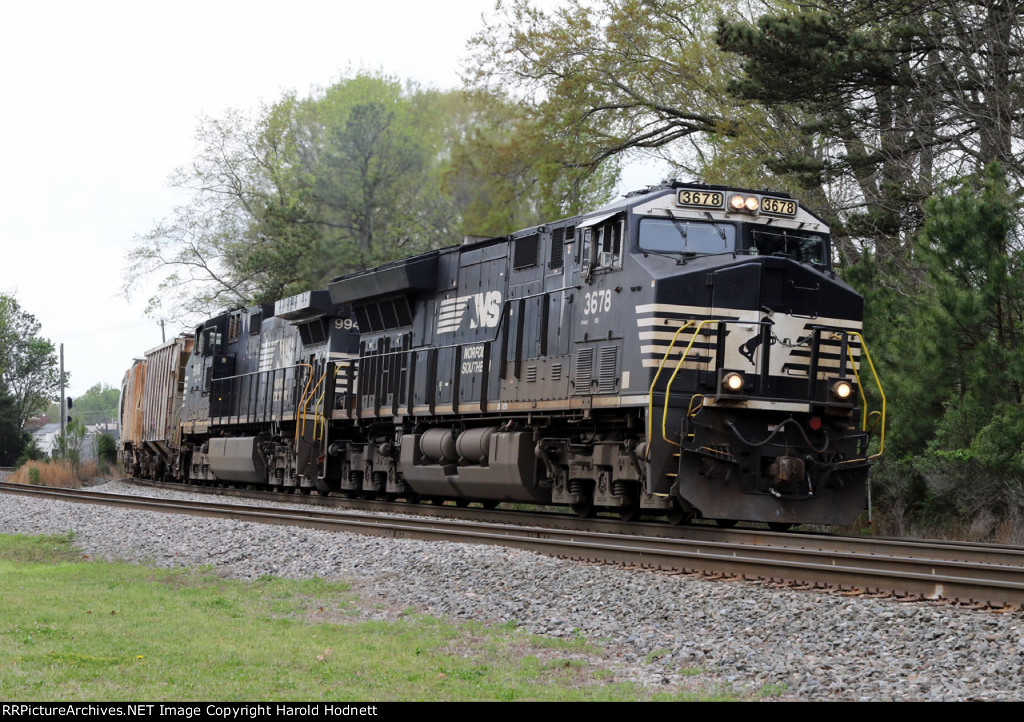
x=83 y=630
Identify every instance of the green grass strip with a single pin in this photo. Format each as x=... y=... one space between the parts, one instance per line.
x=81 y=630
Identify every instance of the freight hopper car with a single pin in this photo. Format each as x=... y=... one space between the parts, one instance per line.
x=151 y=397
x=687 y=350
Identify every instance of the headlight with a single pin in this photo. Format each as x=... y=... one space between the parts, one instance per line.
x=842 y=389
x=733 y=381
x=746 y=204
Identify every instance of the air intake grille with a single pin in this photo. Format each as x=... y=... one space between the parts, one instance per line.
x=608 y=371
x=583 y=371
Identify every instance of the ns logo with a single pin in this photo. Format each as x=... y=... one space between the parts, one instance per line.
x=483 y=309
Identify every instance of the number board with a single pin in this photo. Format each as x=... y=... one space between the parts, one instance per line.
x=778 y=207
x=700 y=199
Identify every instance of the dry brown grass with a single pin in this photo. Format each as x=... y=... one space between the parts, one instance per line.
x=54 y=473
x=983 y=527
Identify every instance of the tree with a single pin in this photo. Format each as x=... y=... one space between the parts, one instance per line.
x=29 y=368
x=13 y=438
x=902 y=96
x=98 y=404
x=957 y=393
x=356 y=174
x=506 y=174
x=241 y=207
x=606 y=80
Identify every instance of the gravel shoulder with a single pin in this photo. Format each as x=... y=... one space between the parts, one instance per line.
x=650 y=627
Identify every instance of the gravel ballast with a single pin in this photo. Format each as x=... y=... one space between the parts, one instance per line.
x=649 y=626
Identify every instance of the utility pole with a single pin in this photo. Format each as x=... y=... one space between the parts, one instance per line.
x=163 y=336
x=63 y=407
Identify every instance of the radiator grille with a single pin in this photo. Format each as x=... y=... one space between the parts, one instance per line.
x=583 y=371
x=608 y=370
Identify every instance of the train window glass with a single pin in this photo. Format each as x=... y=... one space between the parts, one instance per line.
x=586 y=250
x=667 y=235
x=802 y=246
x=212 y=342
x=255 y=323
x=234 y=327
x=610 y=245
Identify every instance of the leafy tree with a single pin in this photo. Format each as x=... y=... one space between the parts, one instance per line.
x=98 y=404
x=356 y=174
x=900 y=94
x=603 y=81
x=506 y=173
x=957 y=392
x=29 y=369
x=13 y=439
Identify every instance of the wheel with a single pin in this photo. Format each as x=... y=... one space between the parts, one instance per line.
x=304 y=490
x=437 y=501
x=490 y=504
x=780 y=526
x=725 y=523
x=677 y=515
x=462 y=503
x=630 y=511
x=585 y=509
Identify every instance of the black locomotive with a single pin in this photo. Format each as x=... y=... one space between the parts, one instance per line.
x=686 y=350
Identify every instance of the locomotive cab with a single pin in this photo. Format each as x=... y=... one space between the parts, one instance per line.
x=754 y=351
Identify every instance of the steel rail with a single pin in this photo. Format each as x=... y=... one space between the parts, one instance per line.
x=937 y=549
x=752 y=555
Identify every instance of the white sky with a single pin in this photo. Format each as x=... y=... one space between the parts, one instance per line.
x=102 y=99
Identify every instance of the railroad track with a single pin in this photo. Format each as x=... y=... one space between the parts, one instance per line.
x=911 y=569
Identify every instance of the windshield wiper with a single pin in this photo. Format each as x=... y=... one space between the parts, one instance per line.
x=721 y=233
x=680 y=228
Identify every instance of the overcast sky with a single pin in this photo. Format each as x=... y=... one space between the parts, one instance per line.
x=102 y=100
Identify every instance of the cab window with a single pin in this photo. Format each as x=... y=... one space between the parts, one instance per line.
x=602 y=246
x=675 y=235
x=801 y=246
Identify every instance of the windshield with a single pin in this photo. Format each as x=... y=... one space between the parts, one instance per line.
x=802 y=246
x=680 y=236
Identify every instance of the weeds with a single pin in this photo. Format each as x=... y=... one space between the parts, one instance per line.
x=61 y=473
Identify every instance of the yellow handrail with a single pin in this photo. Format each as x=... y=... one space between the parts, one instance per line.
x=320 y=418
x=650 y=397
x=682 y=359
x=301 y=410
x=316 y=405
x=863 y=397
x=690 y=411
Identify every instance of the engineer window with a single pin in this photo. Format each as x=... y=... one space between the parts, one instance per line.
x=602 y=246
